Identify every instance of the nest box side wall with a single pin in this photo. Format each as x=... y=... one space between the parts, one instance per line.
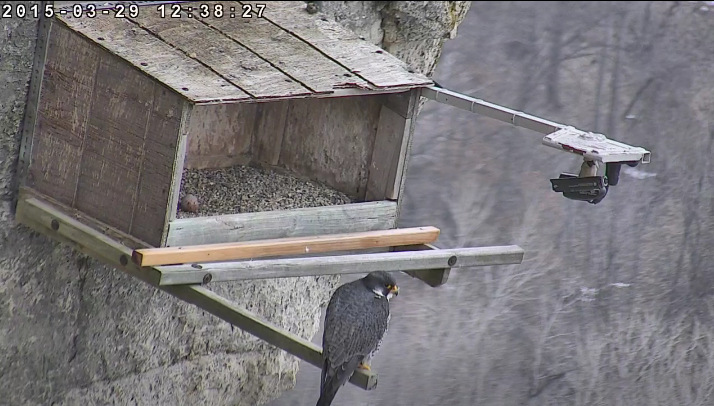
x=105 y=138
x=329 y=140
x=388 y=163
x=219 y=135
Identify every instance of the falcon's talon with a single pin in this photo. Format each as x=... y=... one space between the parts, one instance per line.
x=364 y=366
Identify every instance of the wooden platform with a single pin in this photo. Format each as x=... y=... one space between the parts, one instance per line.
x=185 y=282
x=49 y=220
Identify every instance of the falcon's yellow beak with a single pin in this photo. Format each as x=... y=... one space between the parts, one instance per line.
x=394 y=290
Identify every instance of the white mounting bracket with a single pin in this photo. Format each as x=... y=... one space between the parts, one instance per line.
x=595 y=147
x=592 y=146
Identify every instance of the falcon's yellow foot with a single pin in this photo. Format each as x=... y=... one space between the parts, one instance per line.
x=364 y=366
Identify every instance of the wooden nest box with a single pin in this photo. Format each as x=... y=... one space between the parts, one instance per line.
x=126 y=104
x=123 y=112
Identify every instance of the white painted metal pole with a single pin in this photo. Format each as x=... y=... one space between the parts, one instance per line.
x=492 y=110
x=591 y=146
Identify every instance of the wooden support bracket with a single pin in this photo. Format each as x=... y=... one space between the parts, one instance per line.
x=433 y=277
x=430 y=260
x=284 y=246
x=52 y=222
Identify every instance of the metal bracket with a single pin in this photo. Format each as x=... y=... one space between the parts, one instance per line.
x=595 y=147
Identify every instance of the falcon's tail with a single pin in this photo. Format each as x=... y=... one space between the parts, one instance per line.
x=328 y=394
x=330 y=384
x=333 y=379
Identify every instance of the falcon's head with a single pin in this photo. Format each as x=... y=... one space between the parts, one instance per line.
x=381 y=283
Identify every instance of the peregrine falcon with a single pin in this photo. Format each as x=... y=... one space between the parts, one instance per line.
x=356 y=320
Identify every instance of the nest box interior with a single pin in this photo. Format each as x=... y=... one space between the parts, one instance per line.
x=134 y=113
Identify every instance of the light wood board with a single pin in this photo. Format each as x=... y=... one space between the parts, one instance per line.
x=285 y=246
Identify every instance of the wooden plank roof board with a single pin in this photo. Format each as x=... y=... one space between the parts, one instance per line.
x=359 y=56
x=291 y=55
x=226 y=57
x=158 y=59
x=287 y=53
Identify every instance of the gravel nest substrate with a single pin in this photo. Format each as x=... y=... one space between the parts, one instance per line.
x=244 y=189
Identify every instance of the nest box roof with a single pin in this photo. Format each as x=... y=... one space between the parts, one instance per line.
x=286 y=53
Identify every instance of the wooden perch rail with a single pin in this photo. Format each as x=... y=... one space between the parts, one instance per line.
x=51 y=220
x=340 y=264
x=48 y=220
x=284 y=246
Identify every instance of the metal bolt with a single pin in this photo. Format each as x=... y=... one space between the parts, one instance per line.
x=207 y=278
x=55 y=224
x=123 y=260
x=197 y=266
x=452 y=260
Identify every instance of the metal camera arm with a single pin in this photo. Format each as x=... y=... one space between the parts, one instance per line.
x=596 y=149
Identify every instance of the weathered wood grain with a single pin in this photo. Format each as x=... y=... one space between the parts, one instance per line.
x=269 y=131
x=156 y=58
x=364 y=59
x=360 y=57
x=290 y=55
x=431 y=260
x=285 y=246
x=113 y=148
x=54 y=223
x=153 y=189
x=41 y=217
x=388 y=165
x=223 y=55
x=415 y=96
x=283 y=223
x=123 y=238
x=331 y=141
x=179 y=158
x=388 y=156
x=220 y=135
x=33 y=98
x=62 y=112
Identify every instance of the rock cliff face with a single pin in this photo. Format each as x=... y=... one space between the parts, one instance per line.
x=414 y=31
x=77 y=332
